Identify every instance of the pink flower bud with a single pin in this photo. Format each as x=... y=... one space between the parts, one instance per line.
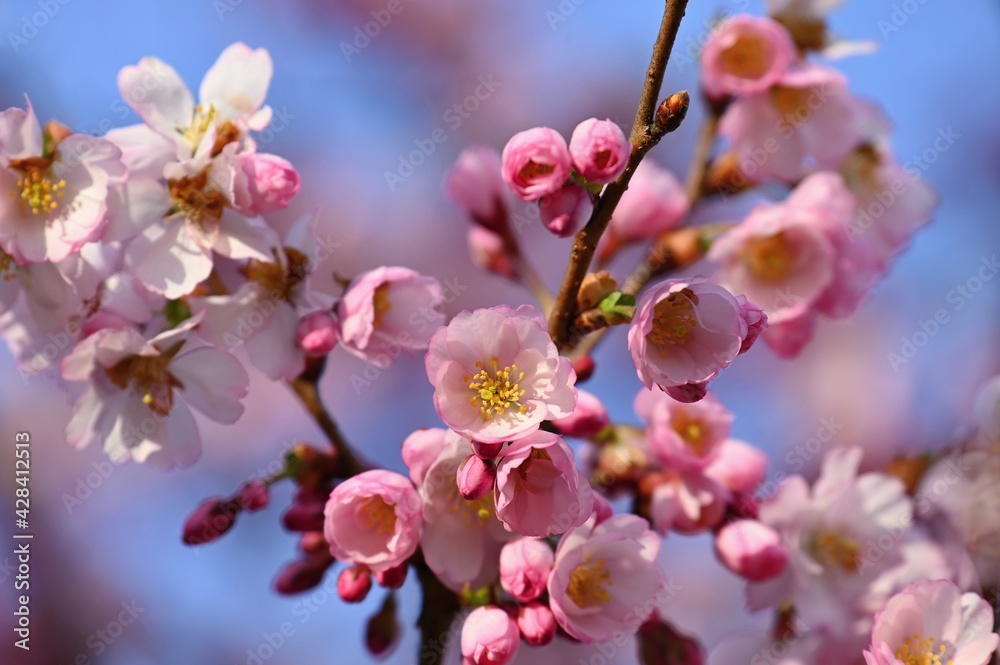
x=536 y=162
x=392 y=578
x=382 y=630
x=306 y=516
x=302 y=575
x=756 y=321
x=475 y=477
x=254 y=496
x=212 y=518
x=264 y=184
x=525 y=565
x=475 y=184
x=354 y=583
x=487 y=450
x=584 y=368
x=660 y=644
x=314 y=542
x=489 y=637
x=317 y=334
x=602 y=508
x=738 y=466
x=488 y=252
x=567 y=210
x=751 y=550
x=588 y=419
x=537 y=624
x=600 y=150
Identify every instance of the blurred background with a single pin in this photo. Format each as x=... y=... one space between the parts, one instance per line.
x=107 y=539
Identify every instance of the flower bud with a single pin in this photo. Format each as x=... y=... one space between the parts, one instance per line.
x=254 y=496
x=738 y=466
x=487 y=450
x=593 y=289
x=537 y=624
x=584 y=368
x=751 y=550
x=600 y=150
x=302 y=575
x=489 y=637
x=474 y=184
x=488 y=252
x=525 y=565
x=671 y=112
x=756 y=321
x=602 y=508
x=475 y=477
x=306 y=516
x=660 y=644
x=354 y=583
x=265 y=183
x=313 y=542
x=567 y=210
x=317 y=334
x=588 y=419
x=392 y=578
x=212 y=518
x=382 y=630
x=535 y=162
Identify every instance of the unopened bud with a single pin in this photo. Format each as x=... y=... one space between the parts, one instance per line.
x=212 y=518
x=304 y=516
x=584 y=368
x=317 y=334
x=671 y=112
x=537 y=624
x=486 y=450
x=313 y=542
x=383 y=628
x=392 y=578
x=475 y=477
x=595 y=286
x=302 y=575
x=354 y=583
x=254 y=496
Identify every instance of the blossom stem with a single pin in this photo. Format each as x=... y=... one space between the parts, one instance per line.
x=642 y=139
x=306 y=387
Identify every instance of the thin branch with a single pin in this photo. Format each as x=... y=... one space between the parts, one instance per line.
x=306 y=387
x=642 y=139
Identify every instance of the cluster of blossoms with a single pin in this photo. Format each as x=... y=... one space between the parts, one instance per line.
x=142 y=270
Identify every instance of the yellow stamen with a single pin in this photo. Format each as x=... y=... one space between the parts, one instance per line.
x=588 y=584
x=769 y=259
x=917 y=650
x=674 y=320
x=496 y=390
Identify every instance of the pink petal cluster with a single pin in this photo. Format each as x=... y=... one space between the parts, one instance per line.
x=683 y=436
x=374 y=518
x=745 y=54
x=588 y=419
x=525 y=564
x=264 y=183
x=684 y=332
x=536 y=163
x=566 y=211
x=489 y=637
x=600 y=150
x=751 y=549
x=475 y=184
x=497 y=375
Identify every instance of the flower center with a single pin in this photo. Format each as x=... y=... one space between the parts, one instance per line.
x=277 y=281
x=39 y=191
x=917 y=650
x=472 y=513
x=149 y=375
x=747 y=58
x=192 y=200
x=861 y=171
x=693 y=432
x=375 y=513
x=496 y=390
x=588 y=584
x=532 y=170
x=674 y=320
x=832 y=548
x=789 y=101
x=769 y=259
x=8 y=267
x=380 y=302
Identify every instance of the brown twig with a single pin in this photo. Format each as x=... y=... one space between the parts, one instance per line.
x=642 y=139
x=306 y=387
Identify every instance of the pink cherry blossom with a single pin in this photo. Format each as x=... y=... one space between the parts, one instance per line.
x=536 y=162
x=374 y=518
x=525 y=564
x=805 y=122
x=683 y=436
x=537 y=623
x=605 y=580
x=745 y=54
x=317 y=334
x=52 y=201
x=654 y=202
x=130 y=403
x=475 y=477
x=567 y=210
x=932 y=621
x=263 y=183
x=600 y=150
x=588 y=419
x=387 y=311
x=475 y=184
x=684 y=332
x=751 y=550
x=462 y=539
x=497 y=375
x=489 y=637
x=737 y=466
x=687 y=502
x=539 y=491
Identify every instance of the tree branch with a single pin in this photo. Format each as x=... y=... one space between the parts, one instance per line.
x=642 y=139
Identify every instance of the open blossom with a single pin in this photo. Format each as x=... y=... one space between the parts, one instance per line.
x=53 y=200
x=683 y=435
x=461 y=539
x=745 y=54
x=130 y=403
x=536 y=162
x=389 y=310
x=475 y=184
x=497 y=375
x=687 y=502
x=684 y=332
x=654 y=202
x=231 y=99
x=796 y=261
x=539 y=491
x=828 y=531
x=806 y=122
x=525 y=564
x=374 y=518
x=932 y=622
x=263 y=183
x=605 y=580
x=600 y=150
x=489 y=637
